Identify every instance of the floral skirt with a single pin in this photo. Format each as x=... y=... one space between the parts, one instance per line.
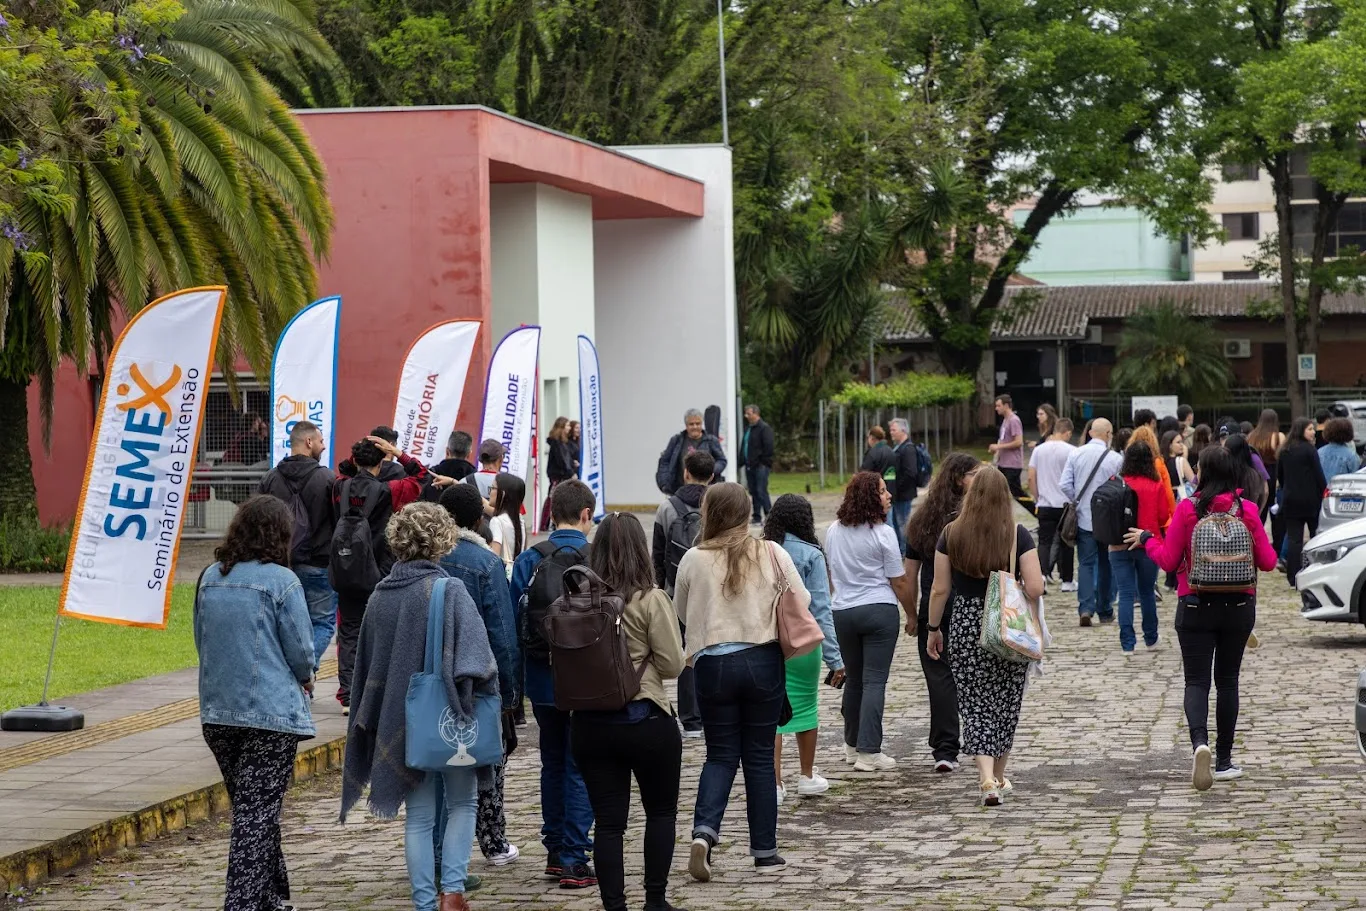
x=990 y=689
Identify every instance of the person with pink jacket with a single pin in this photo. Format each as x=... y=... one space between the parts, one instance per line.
x=1212 y=629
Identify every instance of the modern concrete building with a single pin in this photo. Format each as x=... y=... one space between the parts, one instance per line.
x=466 y=213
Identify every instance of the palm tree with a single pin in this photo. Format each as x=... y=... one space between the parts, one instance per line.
x=218 y=185
x=1165 y=349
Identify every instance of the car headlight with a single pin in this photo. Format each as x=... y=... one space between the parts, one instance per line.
x=1332 y=553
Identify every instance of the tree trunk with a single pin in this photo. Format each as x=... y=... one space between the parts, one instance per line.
x=1285 y=250
x=18 y=496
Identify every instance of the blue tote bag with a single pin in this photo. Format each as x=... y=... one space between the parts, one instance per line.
x=438 y=737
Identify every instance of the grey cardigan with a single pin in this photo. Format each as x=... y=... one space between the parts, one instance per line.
x=393 y=642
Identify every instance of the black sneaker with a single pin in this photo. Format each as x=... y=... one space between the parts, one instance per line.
x=578 y=876
x=553 y=868
x=769 y=864
x=472 y=882
x=1085 y=619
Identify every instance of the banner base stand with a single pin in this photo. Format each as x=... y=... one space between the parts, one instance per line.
x=43 y=717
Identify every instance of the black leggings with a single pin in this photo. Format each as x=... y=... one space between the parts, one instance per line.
x=1214 y=634
x=607 y=756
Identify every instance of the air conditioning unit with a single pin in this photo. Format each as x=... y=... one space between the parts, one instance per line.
x=1237 y=347
x=1093 y=335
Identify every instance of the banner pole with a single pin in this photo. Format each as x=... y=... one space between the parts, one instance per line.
x=51 y=656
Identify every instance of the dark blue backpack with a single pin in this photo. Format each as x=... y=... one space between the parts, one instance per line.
x=924 y=466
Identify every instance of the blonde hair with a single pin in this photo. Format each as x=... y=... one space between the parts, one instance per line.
x=726 y=509
x=979 y=539
x=421 y=531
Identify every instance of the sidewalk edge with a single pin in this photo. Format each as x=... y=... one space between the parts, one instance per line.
x=32 y=866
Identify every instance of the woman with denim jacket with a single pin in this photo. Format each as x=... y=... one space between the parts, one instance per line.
x=791 y=525
x=255 y=644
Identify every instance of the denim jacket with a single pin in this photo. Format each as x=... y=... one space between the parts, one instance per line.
x=810 y=562
x=255 y=644
x=485 y=577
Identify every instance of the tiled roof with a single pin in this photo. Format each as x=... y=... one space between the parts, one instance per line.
x=1061 y=312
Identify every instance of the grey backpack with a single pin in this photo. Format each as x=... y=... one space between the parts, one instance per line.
x=1221 y=553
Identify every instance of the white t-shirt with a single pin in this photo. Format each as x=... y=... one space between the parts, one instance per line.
x=505 y=536
x=1048 y=461
x=862 y=558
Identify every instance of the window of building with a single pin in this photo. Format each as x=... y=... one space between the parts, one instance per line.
x=1350 y=230
x=1302 y=186
x=1091 y=355
x=1244 y=275
x=1241 y=225
x=1236 y=172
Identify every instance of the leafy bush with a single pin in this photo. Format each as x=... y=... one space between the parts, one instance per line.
x=912 y=390
x=27 y=547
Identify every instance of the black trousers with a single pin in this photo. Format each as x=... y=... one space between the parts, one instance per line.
x=689 y=713
x=1294 y=553
x=256 y=765
x=1017 y=490
x=944 y=737
x=607 y=756
x=1052 y=551
x=1213 y=635
x=350 y=612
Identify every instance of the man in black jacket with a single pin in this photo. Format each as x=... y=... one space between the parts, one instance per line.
x=669 y=471
x=756 y=452
x=456 y=465
x=907 y=466
x=299 y=475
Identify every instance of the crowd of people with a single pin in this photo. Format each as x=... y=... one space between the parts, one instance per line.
x=432 y=571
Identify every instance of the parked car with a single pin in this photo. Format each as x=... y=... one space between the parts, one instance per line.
x=1334 y=574
x=1361 y=713
x=1356 y=410
x=1344 y=502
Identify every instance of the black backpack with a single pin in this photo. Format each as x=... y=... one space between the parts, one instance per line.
x=544 y=589
x=924 y=466
x=353 y=567
x=683 y=532
x=1114 y=510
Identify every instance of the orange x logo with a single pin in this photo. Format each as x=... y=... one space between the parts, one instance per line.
x=152 y=395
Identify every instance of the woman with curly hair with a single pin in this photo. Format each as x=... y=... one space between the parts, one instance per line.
x=724 y=598
x=869 y=579
x=939 y=508
x=983 y=539
x=792 y=527
x=255 y=644
x=392 y=648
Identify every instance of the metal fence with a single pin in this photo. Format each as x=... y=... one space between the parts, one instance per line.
x=842 y=432
x=234 y=454
x=1243 y=404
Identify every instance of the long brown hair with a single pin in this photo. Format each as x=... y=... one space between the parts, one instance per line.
x=559 y=431
x=942 y=502
x=1263 y=436
x=620 y=556
x=1050 y=420
x=260 y=530
x=726 y=509
x=979 y=539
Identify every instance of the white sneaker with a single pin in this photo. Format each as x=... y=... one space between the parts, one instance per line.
x=1069 y=586
x=1201 y=778
x=944 y=766
x=813 y=786
x=1232 y=773
x=507 y=857
x=782 y=794
x=874 y=762
x=850 y=754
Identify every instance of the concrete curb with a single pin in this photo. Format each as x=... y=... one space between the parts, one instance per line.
x=30 y=867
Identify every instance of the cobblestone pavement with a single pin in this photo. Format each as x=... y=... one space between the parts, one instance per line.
x=1103 y=815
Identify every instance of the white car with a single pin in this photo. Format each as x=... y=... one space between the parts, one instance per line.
x=1357 y=411
x=1345 y=501
x=1334 y=574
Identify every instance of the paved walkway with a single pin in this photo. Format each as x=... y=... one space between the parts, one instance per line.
x=1103 y=817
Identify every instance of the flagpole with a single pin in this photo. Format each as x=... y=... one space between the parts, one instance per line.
x=721 y=45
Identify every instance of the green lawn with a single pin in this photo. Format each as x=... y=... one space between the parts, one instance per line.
x=89 y=655
x=780 y=483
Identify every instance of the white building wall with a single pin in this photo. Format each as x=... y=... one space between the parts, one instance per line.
x=1208 y=264
x=666 y=332
x=541 y=247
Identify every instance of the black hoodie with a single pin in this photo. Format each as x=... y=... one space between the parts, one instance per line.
x=304 y=476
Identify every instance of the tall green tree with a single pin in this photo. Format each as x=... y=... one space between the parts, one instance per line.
x=1299 y=111
x=197 y=174
x=1044 y=101
x=1164 y=349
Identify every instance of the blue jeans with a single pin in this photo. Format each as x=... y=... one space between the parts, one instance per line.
x=462 y=801
x=756 y=479
x=322 y=607
x=899 y=515
x=566 y=814
x=1136 y=578
x=1095 y=590
x=741 y=696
